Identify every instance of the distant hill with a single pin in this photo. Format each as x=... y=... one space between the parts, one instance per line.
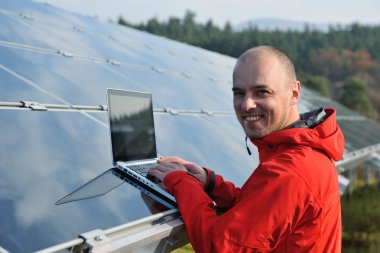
x=271 y=24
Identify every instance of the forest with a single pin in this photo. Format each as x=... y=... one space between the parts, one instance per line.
x=342 y=63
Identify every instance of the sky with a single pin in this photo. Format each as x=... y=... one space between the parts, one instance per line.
x=236 y=12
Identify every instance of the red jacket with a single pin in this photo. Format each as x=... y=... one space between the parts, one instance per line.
x=290 y=203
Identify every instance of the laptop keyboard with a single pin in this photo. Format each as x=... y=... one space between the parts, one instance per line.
x=142 y=169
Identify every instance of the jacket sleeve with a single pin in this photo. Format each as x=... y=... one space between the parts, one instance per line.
x=255 y=224
x=224 y=193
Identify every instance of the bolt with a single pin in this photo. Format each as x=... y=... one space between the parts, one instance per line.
x=99 y=238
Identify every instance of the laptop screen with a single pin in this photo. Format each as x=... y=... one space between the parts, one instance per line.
x=131 y=125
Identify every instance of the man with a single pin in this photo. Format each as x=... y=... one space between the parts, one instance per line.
x=291 y=201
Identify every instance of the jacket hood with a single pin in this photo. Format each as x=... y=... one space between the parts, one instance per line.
x=317 y=132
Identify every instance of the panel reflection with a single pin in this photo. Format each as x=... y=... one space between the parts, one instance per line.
x=46 y=155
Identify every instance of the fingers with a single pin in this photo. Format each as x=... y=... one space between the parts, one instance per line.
x=157 y=173
x=172 y=159
x=177 y=160
x=168 y=167
x=191 y=167
x=163 y=169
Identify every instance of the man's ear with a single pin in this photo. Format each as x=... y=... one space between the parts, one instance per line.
x=296 y=92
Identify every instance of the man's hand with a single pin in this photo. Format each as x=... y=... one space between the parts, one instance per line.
x=164 y=169
x=171 y=164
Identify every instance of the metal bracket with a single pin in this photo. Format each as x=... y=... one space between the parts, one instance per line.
x=157 y=70
x=34 y=106
x=185 y=75
x=113 y=38
x=66 y=54
x=147 y=46
x=26 y=16
x=113 y=62
x=103 y=107
x=171 y=111
x=78 y=29
x=95 y=241
x=212 y=79
x=209 y=113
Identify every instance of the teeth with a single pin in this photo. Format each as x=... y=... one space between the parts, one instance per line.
x=252 y=118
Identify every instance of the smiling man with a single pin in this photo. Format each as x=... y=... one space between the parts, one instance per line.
x=265 y=92
x=291 y=201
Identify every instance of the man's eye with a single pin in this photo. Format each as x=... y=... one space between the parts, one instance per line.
x=262 y=92
x=238 y=94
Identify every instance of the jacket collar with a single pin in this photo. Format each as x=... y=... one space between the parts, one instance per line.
x=317 y=129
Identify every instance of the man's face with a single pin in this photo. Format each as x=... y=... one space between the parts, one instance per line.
x=262 y=96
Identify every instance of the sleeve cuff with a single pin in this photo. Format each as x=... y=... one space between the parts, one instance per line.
x=171 y=180
x=210 y=181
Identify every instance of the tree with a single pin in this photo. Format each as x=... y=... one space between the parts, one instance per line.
x=355 y=96
x=122 y=21
x=190 y=27
x=174 y=28
x=356 y=61
x=326 y=62
x=318 y=83
x=153 y=26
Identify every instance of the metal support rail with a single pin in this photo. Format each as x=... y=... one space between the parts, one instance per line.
x=161 y=232
x=356 y=157
x=107 y=61
x=35 y=106
x=358 y=118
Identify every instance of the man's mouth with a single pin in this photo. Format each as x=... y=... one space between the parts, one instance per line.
x=251 y=118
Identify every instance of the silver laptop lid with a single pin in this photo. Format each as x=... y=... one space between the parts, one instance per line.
x=131 y=125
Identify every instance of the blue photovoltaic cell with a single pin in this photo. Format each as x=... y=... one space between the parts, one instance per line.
x=16 y=30
x=360 y=134
x=85 y=82
x=14 y=89
x=77 y=82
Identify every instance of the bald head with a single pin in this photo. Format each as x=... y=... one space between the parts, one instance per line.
x=265 y=91
x=260 y=53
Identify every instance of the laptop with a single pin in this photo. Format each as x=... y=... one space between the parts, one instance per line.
x=133 y=140
x=134 y=152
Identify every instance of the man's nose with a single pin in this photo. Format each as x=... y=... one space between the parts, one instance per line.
x=248 y=103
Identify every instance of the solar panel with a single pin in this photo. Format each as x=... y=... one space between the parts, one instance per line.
x=64 y=61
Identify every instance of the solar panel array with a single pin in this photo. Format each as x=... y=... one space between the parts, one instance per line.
x=59 y=65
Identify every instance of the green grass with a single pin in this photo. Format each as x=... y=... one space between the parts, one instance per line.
x=184 y=249
x=361 y=219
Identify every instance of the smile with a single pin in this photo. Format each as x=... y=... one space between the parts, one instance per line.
x=252 y=118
